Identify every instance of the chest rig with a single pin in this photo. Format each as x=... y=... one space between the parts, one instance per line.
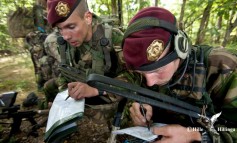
x=192 y=86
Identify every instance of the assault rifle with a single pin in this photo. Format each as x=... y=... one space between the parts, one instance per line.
x=144 y=95
x=72 y=74
x=10 y=111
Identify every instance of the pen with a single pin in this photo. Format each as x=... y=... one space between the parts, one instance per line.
x=144 y=114
x=67 y=97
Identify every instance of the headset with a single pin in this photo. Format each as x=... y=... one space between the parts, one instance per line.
x=182 y=43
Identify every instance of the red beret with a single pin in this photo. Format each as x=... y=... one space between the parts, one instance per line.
x=60 y=10
x=148 y=34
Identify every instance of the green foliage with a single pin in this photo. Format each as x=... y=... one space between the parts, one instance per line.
x=9 y=82
x=192 y=16
x=8 y=6
x=221 y=9
x=232 y=48
x=4 y=37
x=130 y=7
x=16 y=85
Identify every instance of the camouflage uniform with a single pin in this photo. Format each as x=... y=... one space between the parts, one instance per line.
x=45 y=63
x=206 y=77
x=83 y=59
x=36 y=49
x=51 y=41
x=51 y=49
x=217 y=89
x=99 y=55
x=90 y=57
x=42 y=62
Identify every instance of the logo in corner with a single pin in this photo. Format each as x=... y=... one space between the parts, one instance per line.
x=211 y=121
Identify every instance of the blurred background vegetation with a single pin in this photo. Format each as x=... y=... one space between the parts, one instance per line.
x=211 y=22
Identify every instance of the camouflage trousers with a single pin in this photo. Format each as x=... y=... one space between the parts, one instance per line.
x=101 y=113
x=50 y=90
x=103 y=109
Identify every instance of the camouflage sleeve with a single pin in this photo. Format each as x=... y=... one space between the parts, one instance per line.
x=61 y=83
x=35 y=60
x=117 y=37
x=51 y=46
x=222 y=78
x=222 y=85
x=126 y=76
x=131 y=77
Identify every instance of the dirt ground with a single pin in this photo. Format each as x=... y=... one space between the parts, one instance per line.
x=17 y=74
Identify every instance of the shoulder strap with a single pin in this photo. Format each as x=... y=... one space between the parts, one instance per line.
x=104 y=31
x=62 y=49
x=108 y=33
x=203 y=52
x=107 y=46
x=206 y=51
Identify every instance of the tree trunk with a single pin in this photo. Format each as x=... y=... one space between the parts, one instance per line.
x=181 y=24
x=204 y=22
x=114 y=7
x=219 y=26
x=141 y=4
x=156 y=2
x=120 y=12
x=230 y=28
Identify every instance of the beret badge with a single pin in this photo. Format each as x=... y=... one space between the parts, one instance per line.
x=154 y=50
x=62 y=9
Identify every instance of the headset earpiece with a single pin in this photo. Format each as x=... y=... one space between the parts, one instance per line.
x=182 y=44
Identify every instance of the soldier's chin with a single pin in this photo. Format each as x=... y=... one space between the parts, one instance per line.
x=161 y=84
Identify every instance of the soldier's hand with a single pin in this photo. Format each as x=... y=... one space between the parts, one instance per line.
x=79 y=90
x=136 y=115
x=176 y=133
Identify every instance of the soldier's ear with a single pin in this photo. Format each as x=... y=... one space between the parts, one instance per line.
x=88 y=17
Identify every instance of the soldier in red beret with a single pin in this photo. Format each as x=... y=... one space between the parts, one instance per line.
x=154 y=47
x=89 y=42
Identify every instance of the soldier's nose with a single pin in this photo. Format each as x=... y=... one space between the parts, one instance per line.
x=66 y=37
x=149 y=79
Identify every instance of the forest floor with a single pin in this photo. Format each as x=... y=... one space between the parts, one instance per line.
x=17 y=74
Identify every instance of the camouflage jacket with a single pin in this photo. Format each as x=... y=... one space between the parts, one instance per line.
x=90 y=57
x=36 y=49
x=211 y=81
x=51 y=50
x=44 y=64
x=214 y=84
